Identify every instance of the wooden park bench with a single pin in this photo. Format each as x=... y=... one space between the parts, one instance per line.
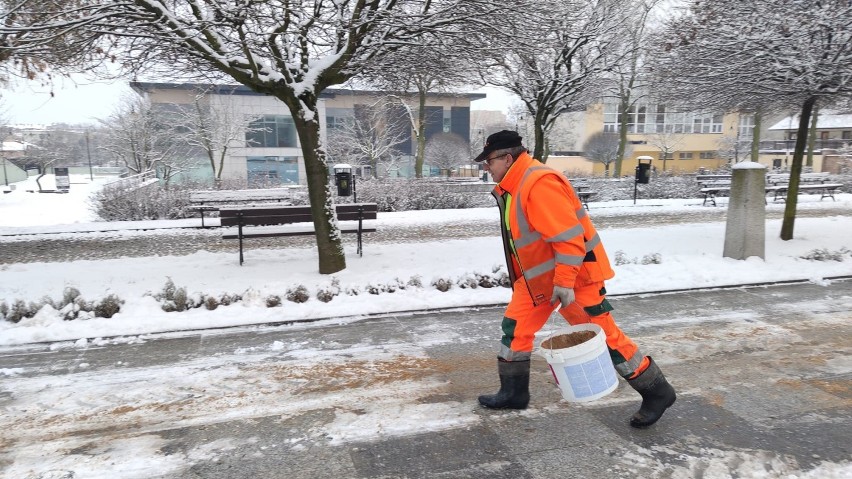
x=248 y=217
x=210 y=200
x=825 y=190
x=711 y=192
x=811 y=183
x=804 y=178
x=583 y=190
x=778 y=184
x=712 y=180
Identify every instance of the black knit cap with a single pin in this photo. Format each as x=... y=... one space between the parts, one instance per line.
x=499 y=141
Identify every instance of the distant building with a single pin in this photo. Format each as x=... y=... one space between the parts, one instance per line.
x=833 y=133
x=270 y=150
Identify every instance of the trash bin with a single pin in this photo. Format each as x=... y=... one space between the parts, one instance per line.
x=343 y=180
x=643 y=173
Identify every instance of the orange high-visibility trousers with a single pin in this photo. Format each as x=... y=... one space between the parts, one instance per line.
x=523 y=319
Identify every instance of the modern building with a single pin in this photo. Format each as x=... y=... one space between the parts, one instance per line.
x=269 y=149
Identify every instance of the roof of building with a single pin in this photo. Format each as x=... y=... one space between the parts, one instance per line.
x=16 y=146
x=824 y=121
x=244 y=90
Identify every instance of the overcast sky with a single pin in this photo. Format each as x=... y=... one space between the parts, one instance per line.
x=85 y=101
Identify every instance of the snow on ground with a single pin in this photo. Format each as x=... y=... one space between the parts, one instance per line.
x=246 y=382
x=690 y=256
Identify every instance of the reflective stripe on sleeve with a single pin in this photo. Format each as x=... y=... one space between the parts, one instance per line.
x=592 y=243
x=527 y=238
x=540 y=269
x=569 y=259
x=567 y=235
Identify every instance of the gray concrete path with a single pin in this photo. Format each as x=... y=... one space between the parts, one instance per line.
x=763 y=376
x=118 y=243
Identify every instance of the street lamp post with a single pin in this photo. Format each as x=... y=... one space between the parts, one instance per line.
x=89 y=156
x=3 y=154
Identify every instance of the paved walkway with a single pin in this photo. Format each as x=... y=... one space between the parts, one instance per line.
x=763 y=377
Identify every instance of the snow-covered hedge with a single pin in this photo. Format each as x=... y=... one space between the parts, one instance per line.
x=395 y=194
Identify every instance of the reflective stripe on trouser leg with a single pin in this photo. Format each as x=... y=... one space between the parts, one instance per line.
x=624 y=353
x=520 y=323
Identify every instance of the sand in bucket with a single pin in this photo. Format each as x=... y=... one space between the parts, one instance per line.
x=580 y=362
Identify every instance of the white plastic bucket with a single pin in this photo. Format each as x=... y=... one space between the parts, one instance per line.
x=583 y=372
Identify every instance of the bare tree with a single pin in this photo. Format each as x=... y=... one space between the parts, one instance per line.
x=372 y=135
x=212 y=126
x=736 y=53
x=421 y=70
x=447 y=151
x=555 y=56
x=602 y=147
x=667 y=142
x=144 y=139
x=290 y=49
x=628 y=81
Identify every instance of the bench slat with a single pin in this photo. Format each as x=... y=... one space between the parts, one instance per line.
x=265 y=215
x=275 y=234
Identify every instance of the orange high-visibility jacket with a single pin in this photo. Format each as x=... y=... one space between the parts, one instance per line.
x=553 y=241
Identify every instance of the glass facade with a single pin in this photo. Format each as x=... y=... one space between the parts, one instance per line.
x=273 y=170
x=272 y=131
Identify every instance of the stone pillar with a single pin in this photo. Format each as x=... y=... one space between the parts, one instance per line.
x=745 y=231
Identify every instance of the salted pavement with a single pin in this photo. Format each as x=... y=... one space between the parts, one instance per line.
x=764 y=379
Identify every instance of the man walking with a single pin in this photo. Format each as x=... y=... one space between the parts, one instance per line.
x=556 y=260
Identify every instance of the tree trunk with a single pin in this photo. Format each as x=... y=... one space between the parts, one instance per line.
x=812 y=137
x=329 y=243
x=539 y=152
x=622 y=134
x=755 y=136
x=796 y=170
x=421 y=134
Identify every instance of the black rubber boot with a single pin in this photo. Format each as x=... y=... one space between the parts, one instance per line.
x=514 y=386
x=657 y=395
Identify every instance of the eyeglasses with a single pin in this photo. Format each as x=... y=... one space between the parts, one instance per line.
x=489 y=160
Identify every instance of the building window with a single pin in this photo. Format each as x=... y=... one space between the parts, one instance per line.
x=275 y=170
x=746 y=125
x=684 y=155
x=272 y=131
x=707 y=155
x=824 y=135
x=651 y=118
x=846 y=135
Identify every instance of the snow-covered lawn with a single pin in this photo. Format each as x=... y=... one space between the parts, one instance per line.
x=687 y=256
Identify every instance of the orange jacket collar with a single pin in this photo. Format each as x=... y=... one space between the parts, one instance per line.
x=513 y=177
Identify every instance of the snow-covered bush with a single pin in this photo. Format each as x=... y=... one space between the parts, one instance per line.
x=108 y=307
x=822 y=254
x=298 y=294
x=443 y=285
x=273 y=300
x=151 y=202
x=621 y=259
x=401 y=194
x=173 y=298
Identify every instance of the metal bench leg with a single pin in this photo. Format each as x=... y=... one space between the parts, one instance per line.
x=240 y=235
x=360 y=223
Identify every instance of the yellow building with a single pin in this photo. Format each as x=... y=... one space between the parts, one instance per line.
x=678 y=141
